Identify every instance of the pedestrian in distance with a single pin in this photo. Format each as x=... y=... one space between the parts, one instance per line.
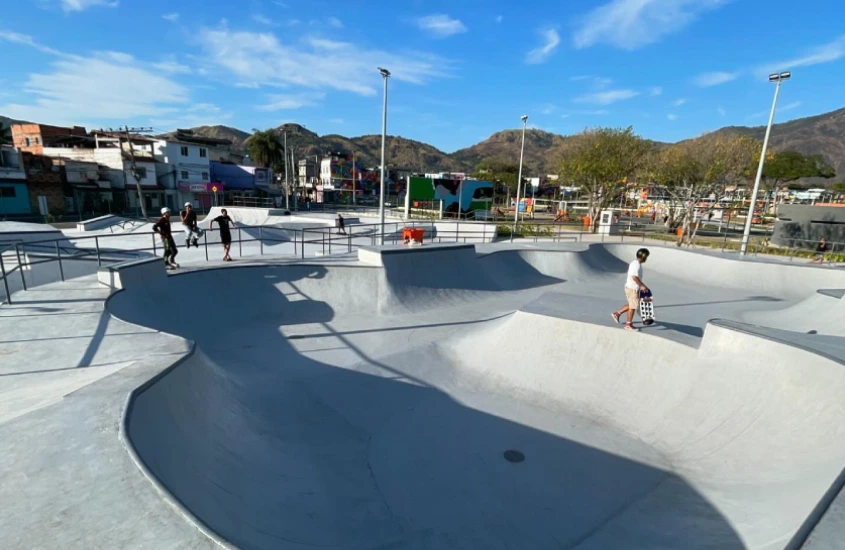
x=341 y=226
x=223 y=220
x=162 y=227
x=189 y=222
x=821 y=249
x=633 y=286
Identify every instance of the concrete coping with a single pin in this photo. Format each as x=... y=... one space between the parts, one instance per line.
x=96 y=223
x=373 y=255
x=131 y=272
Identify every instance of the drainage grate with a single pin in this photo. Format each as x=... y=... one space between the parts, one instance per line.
x=514 y=456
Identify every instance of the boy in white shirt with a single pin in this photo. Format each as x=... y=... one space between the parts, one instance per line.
x=633 y=286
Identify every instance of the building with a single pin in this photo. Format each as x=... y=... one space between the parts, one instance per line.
x=86 y=186
x=235 y=182
x=307 y=176
x=14 y=189
x=184 y=169
x=339 y=173
x=32 y=138
x=46 y=192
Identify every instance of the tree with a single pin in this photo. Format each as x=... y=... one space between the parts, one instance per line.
x=788 y=166
x=498 y=171
x=695 y=170
x=601 y=161
x=5 y=134
x=266 y=149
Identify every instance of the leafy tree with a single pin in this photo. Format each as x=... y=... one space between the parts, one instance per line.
x=266 y=149
x=601 y=161
x=498 y=171
x=695 y=170
x=788 y=166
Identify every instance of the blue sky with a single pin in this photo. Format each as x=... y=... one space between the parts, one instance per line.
x=461 y=70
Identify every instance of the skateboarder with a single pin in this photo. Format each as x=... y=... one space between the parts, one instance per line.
x=189 y=221
x=162 y=227
x=633 y=286
x=225 y=236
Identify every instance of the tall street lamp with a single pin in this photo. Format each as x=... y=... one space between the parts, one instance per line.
x=385 y=75
x=778 y=79
x=519 y=179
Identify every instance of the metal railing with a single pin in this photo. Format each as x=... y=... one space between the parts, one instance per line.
x=73 y=256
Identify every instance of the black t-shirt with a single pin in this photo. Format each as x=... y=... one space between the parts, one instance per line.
x=821 y=247
x=224 y=224
x=190 y=219
x=163 y=226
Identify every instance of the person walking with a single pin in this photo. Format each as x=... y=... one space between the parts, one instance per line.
x=633 y=286
x=162 y=227
x=341 y=225
x=223 y=220
x=189 y=222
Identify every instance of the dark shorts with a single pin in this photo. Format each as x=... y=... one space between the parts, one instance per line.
x=226 y=238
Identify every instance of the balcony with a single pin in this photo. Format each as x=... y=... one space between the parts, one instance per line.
x=12 y=173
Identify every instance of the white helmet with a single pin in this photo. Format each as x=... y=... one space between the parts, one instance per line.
x=165 y=210
x=187 y=204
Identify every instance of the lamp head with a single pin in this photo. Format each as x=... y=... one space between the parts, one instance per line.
x=778 y=77
x=524 y=118
x=384 y=72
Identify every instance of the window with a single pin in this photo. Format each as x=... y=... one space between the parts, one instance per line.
x=183 y=151
x=38 y=141
x=204 y=174
x=141 y=172
x=28 y=141
x=7 y=192
x=203 y=152
x=184 y=174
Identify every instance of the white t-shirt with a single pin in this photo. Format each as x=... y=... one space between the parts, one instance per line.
x=635 y=268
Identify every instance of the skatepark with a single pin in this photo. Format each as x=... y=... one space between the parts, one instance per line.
x=451 y=395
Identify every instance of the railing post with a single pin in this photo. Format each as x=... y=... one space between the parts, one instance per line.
x=205 y=242
x=261 y=240
x=5 y=282
x=59 y=256
x=153 y=235
x=97 y=244
x=330 y=246
x=302 y=247
x=324 y=243
x=295 y=251
x=240 y=247
x=20 y=265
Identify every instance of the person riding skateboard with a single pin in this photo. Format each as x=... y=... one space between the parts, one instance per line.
x=633 y=286
x=162 y=227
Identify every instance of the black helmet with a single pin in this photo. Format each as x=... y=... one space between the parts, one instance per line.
x=642 y=253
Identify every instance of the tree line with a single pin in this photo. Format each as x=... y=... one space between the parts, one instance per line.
x=603 y=161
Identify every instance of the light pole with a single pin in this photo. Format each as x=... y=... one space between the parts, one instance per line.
x=778 y=79
x=385 y=75
x=519 y=179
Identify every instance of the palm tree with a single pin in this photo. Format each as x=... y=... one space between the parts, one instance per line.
x=265 y=148
x=5 y=134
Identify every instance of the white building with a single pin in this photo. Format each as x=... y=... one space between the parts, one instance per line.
x=184 y=170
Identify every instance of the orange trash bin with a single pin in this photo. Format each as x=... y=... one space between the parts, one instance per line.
x=412 y=234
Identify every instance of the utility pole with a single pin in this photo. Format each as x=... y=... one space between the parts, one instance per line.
x=287 y=183
x=354 y=187
x=295 y=180
x=127 y=131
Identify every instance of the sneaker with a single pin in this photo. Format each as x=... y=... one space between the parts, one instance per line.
x=170 y=267
x=615 y=316
x=629 y=326
x=174 y=265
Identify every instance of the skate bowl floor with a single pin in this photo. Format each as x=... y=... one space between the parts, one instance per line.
x=464 y=398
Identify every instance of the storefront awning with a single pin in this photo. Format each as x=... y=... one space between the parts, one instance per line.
x=86 y=186
x=275 y=191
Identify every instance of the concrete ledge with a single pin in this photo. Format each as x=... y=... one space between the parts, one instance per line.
x=374 y=255
x=97 y=223
x=120 y=276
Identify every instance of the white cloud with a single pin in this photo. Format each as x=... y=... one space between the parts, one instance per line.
x=311 y=62
x=548 y=109
x=335 y=22
x=198 y=114
x=280 y=102
x=672 y=116
x=103 y=87
x=171 y=66
x=657 y=90
x=441 y=25
x=250 y=85
x=706 y=80
x=172 y=17
x=26 y=40
x=82 y=5
x=565 y=115
x=630 y=24
x=606 y=98
x=597 y=81
x=499 y=19
x=790 y=106
x=263 y=19
x=826 y=53
x=679 y=102
x=551 y=40
x=721 y=111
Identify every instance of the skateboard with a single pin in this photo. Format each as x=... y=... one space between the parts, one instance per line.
x=646 y=308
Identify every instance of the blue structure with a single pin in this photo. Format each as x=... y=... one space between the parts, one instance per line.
x=14 y=198
x=235 y=177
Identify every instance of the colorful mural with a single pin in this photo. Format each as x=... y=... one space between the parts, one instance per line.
x=466 y=195
x=343 y=176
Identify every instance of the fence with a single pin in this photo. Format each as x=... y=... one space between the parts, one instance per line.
x=27 y=264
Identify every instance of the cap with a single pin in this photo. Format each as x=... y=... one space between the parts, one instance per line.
x=187 y=204
x=165 y=210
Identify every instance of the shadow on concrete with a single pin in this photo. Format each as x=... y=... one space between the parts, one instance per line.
x=690 y=330
x=272 y=449
x=749 y=299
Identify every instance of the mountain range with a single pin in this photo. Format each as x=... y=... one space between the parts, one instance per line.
x=816 y=135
